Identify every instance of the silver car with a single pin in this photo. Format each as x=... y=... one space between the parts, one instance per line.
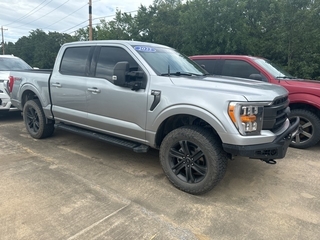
x=7 y=64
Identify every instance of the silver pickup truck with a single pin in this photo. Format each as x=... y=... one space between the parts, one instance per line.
x=140 y=95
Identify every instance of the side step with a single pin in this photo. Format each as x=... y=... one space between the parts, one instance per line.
x=136 y=147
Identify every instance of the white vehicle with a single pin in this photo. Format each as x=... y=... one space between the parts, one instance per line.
x=8 y=63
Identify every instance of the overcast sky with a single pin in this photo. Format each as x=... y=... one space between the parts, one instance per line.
x=19 y=17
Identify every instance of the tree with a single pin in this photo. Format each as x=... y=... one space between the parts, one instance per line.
x=39 y=49
x=284 y=31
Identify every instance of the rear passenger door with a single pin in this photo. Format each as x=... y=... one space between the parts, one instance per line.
x=68 y=86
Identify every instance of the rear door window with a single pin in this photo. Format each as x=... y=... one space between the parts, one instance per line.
x=75 y=61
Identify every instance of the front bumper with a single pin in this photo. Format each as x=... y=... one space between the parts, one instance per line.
x=274 y=150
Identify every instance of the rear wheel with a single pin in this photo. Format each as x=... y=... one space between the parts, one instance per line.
x=35 y=120
x=309 y=129
x=193 y=159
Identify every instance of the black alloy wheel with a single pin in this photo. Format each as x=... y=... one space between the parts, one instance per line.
x=32 y=120
x=35 y=120
x=188 y=162
x=193 y=159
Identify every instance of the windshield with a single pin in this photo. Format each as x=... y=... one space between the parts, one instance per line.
x=10 y=63
x=272 y=68
x=166 y=61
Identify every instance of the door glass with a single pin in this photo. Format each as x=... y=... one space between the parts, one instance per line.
x=209 y=65
x=238 y=68
x=74 y=61
x=109 y=57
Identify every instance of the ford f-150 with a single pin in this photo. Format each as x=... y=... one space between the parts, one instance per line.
x=140 y=95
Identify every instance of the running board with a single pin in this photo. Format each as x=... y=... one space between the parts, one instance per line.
x=136 y=147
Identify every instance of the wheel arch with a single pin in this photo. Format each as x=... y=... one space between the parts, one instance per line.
x=29 y=92
x=305 y=106
x=309 y=101
x=26 y=96
x=185 y=116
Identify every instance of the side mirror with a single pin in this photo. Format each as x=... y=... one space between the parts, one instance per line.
x=256 y=77
x=120 y=72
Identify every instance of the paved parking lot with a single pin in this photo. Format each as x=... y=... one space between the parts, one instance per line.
x=69 y=187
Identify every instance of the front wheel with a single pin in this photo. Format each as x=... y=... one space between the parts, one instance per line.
x=193 y=159
x=309 y=129
x=35 y=120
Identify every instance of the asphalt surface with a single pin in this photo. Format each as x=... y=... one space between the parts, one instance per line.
x=70 y=187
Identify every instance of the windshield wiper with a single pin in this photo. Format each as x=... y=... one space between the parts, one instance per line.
x=286 y=77
x=180 y=74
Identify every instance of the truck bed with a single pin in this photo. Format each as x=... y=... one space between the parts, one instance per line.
x=39 y=78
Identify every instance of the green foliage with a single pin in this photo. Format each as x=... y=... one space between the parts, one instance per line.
x=39 y=49
x=285 y=31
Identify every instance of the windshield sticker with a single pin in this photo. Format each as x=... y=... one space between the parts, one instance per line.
x=144 y=49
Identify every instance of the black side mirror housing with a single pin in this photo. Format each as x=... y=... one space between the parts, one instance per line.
x=123 y=77
x=120 y=72
x=256 y=77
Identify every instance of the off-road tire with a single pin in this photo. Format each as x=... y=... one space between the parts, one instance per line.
x=193 y=159
x=35 y=120
x=309 y=129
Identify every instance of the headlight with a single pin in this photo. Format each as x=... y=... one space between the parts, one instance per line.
x=247 y=117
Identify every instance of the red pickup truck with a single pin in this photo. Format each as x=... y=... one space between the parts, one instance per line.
x=304 y=94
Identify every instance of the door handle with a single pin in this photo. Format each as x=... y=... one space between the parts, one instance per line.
x=94 y=90
x=57 y=85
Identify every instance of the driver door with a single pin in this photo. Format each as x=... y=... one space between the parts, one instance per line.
x=114 y=109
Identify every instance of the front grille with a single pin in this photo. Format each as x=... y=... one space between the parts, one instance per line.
x=276 y=114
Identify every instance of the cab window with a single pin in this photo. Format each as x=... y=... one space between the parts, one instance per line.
x=238 y=68
x=109 y=57
x=210 y=65
x=75 y=61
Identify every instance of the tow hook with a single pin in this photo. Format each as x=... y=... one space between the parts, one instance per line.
x=269 y=161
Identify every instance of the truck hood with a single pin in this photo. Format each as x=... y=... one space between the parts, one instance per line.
x=303 y=83
x=251 y=90
x=301 y=86
x=4 y=75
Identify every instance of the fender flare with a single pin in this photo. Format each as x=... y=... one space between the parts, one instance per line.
x=188 y=110
x=304 y=98
x=29 y=87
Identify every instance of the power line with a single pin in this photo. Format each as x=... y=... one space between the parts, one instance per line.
x=94 y=23
x=2 y=42
x=74 y=26
x=66 y=16
x=45 y=14
x=113 y=15
x=30 y=13
x=44 y=3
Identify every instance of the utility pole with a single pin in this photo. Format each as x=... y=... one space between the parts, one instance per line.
x=2 y=43
x=90 y=20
